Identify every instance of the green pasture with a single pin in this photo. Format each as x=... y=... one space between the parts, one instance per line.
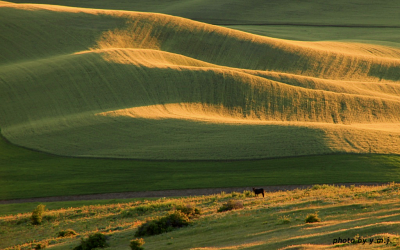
x=277 y=221
x=26 y=207
x=383 y=36
x=51 y=87
x=62 y=69
x=224 y=12
x=312 y=21
x=51 y=96
x=28 y=174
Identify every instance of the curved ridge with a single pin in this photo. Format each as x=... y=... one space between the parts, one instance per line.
x=190 y=81
x=224 y=94
x=238 y=49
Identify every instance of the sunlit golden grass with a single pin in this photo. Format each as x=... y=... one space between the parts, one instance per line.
x=238 y=49
x=157 y=86
x=274 y=222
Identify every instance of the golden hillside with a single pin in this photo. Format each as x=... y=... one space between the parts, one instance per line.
x=102 y=83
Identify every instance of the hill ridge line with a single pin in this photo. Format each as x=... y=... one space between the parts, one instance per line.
x=309 y=25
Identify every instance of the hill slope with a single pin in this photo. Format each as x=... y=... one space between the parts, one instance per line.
x=277 y=221
x=311 y=12
x=142 y=85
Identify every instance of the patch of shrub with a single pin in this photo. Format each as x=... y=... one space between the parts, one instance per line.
x=231 y=205
x=41 y=246
x=247 y=193
x=66 y=233
x=97 y=240
x=316 y=187
x=311 y=218
x=392 y=187
x=284 y=220
x=236 y=194
x=167 y=223
x=137 y=244
x=37 y=214
x=189 y=210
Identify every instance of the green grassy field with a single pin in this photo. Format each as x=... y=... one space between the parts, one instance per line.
x=274 y=222
x=120 y=84
x=383 y=36
x=250 y=94
x=27 y=174
x=317 y=12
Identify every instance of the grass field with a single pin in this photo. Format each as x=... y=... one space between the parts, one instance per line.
x=134 y=85
x=111 y=96
x=341 y=12
x=369 y=35
x=27 y=174
x=274 y=222
x=123 y=84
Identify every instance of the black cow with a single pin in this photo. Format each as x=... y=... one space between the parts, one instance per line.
x=258 y=191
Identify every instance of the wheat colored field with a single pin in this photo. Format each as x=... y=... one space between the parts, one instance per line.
x=124 y=84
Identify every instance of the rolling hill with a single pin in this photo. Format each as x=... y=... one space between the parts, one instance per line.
x=124 y=84
x=223 y=12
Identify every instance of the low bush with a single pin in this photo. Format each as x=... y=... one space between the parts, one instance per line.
x=231 y=205
x=97 y=240
x=66 y=233
x=316 y=187
x=37 y=214
x=189 y=210
x=247 y=193
x=311 y=218
x=41 y=246
x=283 y=220
x=137 y=244
x=236 y=194
x=167 y=223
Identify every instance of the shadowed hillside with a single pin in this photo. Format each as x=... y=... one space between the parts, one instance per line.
x=86 y=82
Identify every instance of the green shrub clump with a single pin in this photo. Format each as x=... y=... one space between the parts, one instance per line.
x=97 y=240
x=247 y=193
x=66 y=233
x=189 y=210
x=164 y=224
x=37 y=214
x=284 y=220
x=137 y=244
x=41 y=246
x=231 y=205
x=311 y=218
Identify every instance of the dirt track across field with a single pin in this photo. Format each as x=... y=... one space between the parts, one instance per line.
x=170 y=193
